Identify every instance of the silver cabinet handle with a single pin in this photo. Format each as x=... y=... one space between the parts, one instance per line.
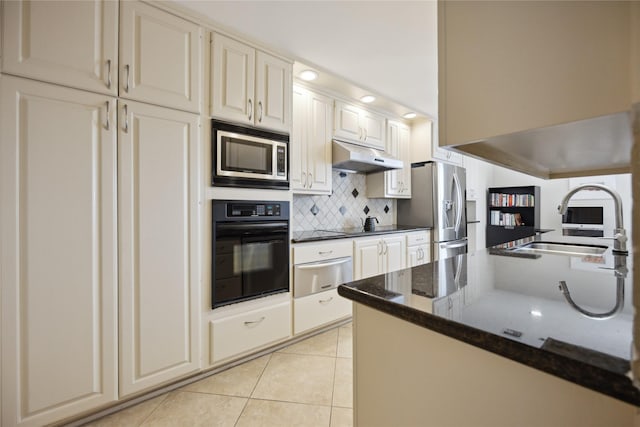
x=107 y=124
x=366 y=135
x=250 y=109
x=108 y=74
x=251 y=323
x=127 y=68
x=260 y=107
x=325 y=301
x=379 y=248
x=310 y=180
x=384 y=245
x=360 y=133
x=126 y=118
x=325 y=252
x=304 y=179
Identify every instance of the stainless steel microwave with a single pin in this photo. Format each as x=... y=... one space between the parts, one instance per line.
x=249 y=157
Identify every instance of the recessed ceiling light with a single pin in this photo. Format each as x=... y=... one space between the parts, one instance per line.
x=308 y=75
x=536 y=313
x=368 y=99
x=410 y=115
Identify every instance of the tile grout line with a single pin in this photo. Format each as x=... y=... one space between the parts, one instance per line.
x=249 y=398
x=144 y=420
x=335 y=371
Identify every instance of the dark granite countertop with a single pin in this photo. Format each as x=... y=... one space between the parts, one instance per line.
x=319 y=235
x=510 y=303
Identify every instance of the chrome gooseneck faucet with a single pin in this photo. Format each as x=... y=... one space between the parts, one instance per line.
x=619 y=233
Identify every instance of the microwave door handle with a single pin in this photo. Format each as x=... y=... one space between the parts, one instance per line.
x=458 y=203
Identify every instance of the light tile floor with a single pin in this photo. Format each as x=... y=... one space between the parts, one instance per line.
x=305 y=384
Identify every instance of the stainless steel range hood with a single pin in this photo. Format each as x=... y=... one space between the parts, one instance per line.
x=355 y=158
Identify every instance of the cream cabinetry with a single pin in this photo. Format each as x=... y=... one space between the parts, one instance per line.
x=241 y=333
x=158 y=244
x=59 y=255
x=359 y=125
x=378 y=255
x=80 y=51
x=249 y=86
x=394 y=183
x=310 y=145
x=319 y=309
x=321 y=260
x=418 y=248
x=424 y=144
x=160 y=57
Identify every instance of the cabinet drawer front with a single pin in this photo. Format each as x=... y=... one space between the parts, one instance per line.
x=241 y=333
x=419 y=238
x=321 y=251
x=319 y=309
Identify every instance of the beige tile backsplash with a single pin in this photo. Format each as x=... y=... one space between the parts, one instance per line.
x=345 y=208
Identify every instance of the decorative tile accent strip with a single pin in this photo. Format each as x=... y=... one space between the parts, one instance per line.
x=342 y=209
x=366 y=210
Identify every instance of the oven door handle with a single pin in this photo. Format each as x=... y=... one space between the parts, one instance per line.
x=255 y=227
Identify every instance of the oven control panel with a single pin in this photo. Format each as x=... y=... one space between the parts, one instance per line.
x=253 y=209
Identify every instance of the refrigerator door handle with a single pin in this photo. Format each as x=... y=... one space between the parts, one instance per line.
x=458 y=204
x=454 y=245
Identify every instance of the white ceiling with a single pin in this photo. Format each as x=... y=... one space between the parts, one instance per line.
x=387 y=47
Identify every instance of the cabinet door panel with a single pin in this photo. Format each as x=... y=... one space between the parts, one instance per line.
x=81 y=52
x=394 y=253
x=298 y=142
x=319 y=142
x=160 y=57
x=368 y=261
x=374 y=129
x=273 y=92
x=58 y=165
x=233 y=74
x=347 y=124
x=158 y=279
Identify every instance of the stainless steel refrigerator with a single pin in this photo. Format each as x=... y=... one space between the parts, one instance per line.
x=438 y=201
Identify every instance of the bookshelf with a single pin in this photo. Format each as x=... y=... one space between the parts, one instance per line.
x=512 y=213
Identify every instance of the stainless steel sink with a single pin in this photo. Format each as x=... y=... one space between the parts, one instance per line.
x=560 y=248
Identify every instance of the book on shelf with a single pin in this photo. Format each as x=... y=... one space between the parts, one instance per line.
x=512 y=200
x=506 y=219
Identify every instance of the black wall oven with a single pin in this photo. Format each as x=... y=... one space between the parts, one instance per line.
x=250 y=250
x=249 y=157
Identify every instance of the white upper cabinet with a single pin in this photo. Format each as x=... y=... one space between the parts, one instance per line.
x=249 y=86
x=59 y=259
x=79 y=51
x=395 y=183
x=159 y=57
x=358 y=125
x=424 y=144
x=310 y=145
x=158 y=245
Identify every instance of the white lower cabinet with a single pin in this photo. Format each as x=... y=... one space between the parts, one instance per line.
x=378 y=255
x=319 y=309
x=241 y=333
x=158 y=245
x=418 y=248
x=58 y=251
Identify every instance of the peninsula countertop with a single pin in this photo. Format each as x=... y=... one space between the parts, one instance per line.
x=511 y=303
